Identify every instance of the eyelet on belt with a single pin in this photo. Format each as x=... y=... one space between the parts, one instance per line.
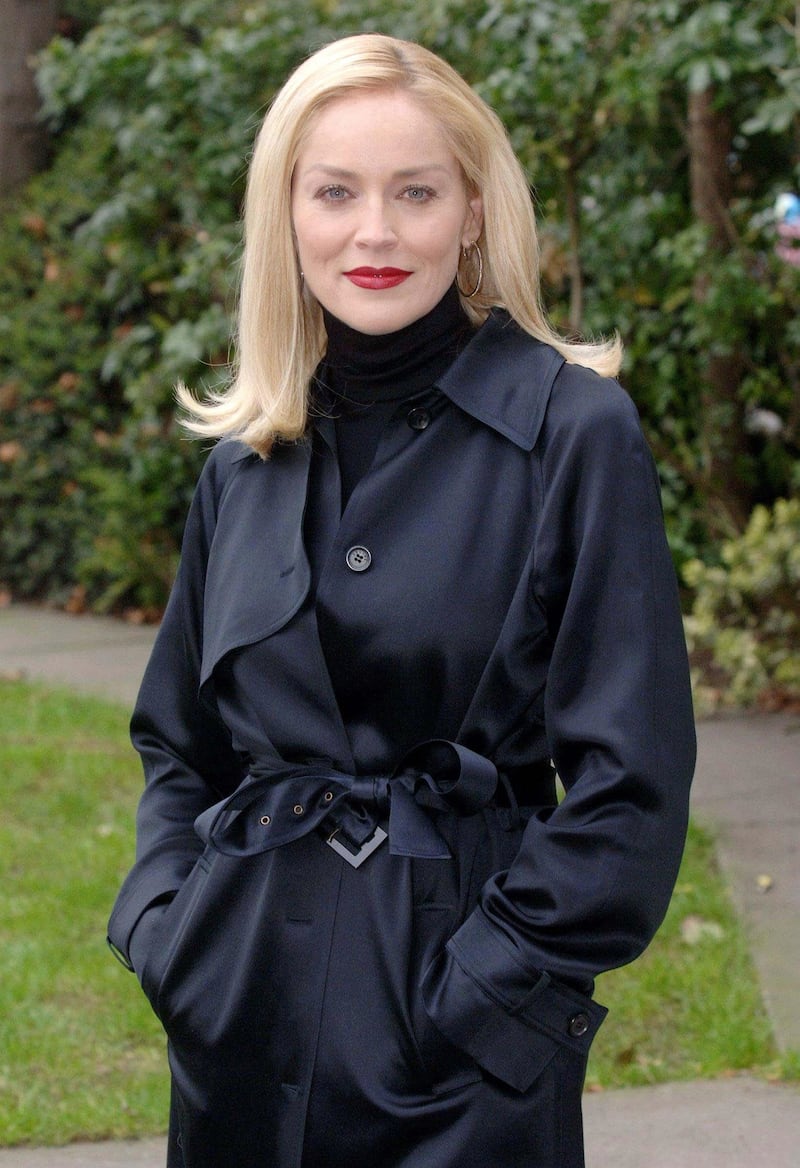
x=265 y=820
x=298 y=809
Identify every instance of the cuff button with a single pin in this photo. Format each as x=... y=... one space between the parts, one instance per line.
x=578 y=1025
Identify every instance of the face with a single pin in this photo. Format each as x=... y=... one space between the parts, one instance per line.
x=380 y=211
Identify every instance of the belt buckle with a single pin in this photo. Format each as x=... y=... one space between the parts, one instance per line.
x=356 y=859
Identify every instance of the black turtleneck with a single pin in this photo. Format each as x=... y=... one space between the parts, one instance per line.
x=363 y=378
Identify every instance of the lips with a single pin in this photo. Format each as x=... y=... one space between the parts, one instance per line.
x=377 y=279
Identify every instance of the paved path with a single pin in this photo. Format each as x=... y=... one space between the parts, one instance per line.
x=747 y=788
x=91 y=653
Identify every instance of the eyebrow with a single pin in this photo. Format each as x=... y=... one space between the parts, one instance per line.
x=409 y=172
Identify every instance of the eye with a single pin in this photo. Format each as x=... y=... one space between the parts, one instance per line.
x=418 y=194
x=333 y=194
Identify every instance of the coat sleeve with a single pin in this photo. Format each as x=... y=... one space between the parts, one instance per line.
x=186 y=751
x=593 y=878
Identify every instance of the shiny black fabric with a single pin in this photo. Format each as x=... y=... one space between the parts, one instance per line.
x=363 y=379
x=519 y=602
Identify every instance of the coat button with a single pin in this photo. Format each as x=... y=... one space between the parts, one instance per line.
x=418 y=418
x=358 y=558
x=578 y=1025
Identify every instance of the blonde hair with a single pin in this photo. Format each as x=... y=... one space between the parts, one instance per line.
x=281 y=336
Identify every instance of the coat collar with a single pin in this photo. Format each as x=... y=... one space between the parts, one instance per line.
x=503 y=378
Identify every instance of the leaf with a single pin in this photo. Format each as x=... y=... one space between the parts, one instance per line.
x=695 y=929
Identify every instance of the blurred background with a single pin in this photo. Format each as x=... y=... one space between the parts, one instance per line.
x=662 y=141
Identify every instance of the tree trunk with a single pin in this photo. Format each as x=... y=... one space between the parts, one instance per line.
x=727 y=492
x=25 y=27
x=573 y=214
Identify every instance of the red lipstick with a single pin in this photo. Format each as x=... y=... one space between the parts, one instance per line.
x=377 y=278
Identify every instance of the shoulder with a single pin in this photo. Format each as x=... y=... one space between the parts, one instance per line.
x=521 y=385
x=225 y=460
x=236 y=476
x=218 y=471
x=587 y=406
x=592 y=439
x=225 y=456
x=532 y=365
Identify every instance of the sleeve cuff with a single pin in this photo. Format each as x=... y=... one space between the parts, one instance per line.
x=152 y=880
x=510 y=1020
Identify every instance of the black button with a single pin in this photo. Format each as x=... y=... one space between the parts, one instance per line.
x=418 y=419
x=578 y=1025
x=358 y=558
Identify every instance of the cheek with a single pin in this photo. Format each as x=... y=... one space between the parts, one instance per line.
x=311 y=237
x=443 y=239
x=442 y=251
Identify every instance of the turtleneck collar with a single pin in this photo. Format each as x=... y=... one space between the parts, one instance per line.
x=363 y=369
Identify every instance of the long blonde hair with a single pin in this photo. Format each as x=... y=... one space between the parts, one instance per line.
x=281 y=336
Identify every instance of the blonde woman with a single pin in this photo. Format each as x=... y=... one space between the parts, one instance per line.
x=425 y=569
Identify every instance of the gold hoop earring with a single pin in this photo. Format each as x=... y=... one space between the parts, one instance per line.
x=466 y=252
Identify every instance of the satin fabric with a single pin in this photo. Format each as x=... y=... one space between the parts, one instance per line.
x=521 y=602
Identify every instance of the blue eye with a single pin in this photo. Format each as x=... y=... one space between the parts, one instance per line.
x=334 y=194
x=417 y=194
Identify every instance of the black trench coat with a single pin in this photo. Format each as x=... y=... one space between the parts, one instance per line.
x=497 y=594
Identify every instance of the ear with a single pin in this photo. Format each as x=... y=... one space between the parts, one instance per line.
x=473 y=223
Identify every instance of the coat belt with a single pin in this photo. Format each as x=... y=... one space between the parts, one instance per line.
x=278 y=803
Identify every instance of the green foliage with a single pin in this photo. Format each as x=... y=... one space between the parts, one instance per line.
x=120 y=262
x=744 y=626
x=650 y=257
x=118 y=266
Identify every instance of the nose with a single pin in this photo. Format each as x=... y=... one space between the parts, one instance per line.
x=375 y=228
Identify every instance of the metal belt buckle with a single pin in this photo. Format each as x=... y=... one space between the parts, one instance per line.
x=356 y=859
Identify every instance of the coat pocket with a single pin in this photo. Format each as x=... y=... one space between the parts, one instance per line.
x=444 y=1066
x=167 y=934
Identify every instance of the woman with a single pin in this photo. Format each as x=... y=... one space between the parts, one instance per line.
x=425 y=567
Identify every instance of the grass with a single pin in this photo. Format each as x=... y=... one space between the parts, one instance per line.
x=686 y=1009
x=82 y=1057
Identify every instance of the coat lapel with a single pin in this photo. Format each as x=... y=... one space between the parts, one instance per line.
x=258 y=573
x=258 y=585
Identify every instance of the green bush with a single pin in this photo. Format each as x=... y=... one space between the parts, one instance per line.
x=117 y=272
x=117 y=266
x=744 y=626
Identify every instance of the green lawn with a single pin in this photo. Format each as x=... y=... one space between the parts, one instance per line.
x=80 y=1053
x=82 y=1057
x=685 y=1009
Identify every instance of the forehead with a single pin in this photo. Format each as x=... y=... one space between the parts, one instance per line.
x=381 y=128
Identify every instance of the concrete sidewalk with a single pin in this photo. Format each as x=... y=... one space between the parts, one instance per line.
x=735 y=1123
x=747 y=788
x=94 y=654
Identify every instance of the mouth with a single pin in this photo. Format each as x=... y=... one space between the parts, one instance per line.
x=377 y=278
